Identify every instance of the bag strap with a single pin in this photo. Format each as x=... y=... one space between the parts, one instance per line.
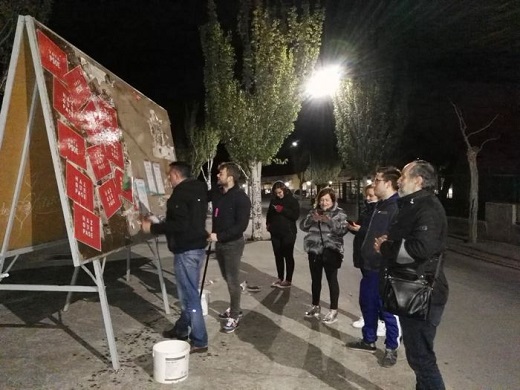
x=422 y=268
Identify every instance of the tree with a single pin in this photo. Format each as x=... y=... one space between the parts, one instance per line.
x=471 y=154
x=370 y=113
x=9 y=12
x=279 y=48
x=203 y=143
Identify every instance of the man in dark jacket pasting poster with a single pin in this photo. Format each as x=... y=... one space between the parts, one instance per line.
x=185 y=230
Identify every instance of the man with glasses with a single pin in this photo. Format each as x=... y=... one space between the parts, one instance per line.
x=421 y=229
x=385 y=188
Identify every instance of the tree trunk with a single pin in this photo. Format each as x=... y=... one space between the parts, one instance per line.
x=256 y=201
x=473 y=195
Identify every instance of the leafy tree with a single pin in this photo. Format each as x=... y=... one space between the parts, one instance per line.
x=255 y=109
x=203 y=142
x=9 y=12
x=370 y=115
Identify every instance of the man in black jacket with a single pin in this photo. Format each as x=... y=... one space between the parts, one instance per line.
x=372 y=263
x=231 y=211
x=185 y=230
x=421 y=228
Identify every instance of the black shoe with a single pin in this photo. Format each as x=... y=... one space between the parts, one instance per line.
x=390 y=358
x=226 y=314
x=195 y=349
x=172 y=334
x=361 y=345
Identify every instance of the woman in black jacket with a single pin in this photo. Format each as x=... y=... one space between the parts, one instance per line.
x=281 y=218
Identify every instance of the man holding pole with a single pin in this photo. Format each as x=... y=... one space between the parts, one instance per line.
x=185 y=231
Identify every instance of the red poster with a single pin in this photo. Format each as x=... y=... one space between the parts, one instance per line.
x=77 y=86
x=79 y=187
x=63 y=101
x=119 y=179
x=71 y=145
x=87 y=227
x=99 y=162
x=99 y=120
x=114 y=153
x=109 y=195
x=53 y=58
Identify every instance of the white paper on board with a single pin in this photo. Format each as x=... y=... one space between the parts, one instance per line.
x=140 y=187
x=158 y=178
x=149 y=177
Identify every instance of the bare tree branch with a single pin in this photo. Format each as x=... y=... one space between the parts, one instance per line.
x=486 y=141
x=483 y=128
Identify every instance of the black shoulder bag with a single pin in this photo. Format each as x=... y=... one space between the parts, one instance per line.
x=329 y=257
x=407 y=292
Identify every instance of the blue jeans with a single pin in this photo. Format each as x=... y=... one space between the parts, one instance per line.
x=187 y=266
x=372 y=308
x=418 y=337
x=229 y=255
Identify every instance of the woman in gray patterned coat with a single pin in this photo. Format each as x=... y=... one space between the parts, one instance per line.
x=325 y=225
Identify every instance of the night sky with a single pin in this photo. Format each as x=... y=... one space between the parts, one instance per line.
x=465 y=50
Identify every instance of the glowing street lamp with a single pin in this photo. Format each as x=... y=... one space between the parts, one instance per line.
x=324 y=82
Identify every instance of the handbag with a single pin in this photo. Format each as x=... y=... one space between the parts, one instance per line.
x=330 y=257
x=407 y=291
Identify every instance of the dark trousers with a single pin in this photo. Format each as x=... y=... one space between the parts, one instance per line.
x=372 y=308
x=316 y=267
x=283 y=248
x=418 y=337
x=229 y=255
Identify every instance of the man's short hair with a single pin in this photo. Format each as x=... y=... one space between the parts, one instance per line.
x=391 y=174
x=427 y=172
x=182 y=168
x=232 y=170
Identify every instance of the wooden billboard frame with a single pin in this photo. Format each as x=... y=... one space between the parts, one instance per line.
x=26 y=106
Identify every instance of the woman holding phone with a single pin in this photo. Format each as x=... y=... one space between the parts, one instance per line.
x=326 y=224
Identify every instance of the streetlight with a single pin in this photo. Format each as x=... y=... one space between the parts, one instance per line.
x=324 y=82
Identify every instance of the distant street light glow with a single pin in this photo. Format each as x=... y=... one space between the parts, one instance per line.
x=324 y=82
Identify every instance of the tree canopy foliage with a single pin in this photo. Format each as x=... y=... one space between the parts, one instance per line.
x=9 y=12
x=255 y=107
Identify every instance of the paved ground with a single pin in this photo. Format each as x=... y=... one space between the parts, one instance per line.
x=274 y=348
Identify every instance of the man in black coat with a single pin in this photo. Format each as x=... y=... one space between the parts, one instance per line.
x=231 y=212
x=185 y=230
x=421 y=228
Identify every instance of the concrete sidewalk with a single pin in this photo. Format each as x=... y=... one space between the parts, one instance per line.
x=274 y=347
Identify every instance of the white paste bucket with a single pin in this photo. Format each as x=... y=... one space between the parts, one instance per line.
x=170 y=361
x=204 y=301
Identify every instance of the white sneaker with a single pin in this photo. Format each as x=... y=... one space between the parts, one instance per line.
x=359 y=323
x=381 y=328
x=331 y=317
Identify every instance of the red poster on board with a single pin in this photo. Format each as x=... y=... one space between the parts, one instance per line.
x=114 y=153
x=119 y=176
x=87 y=227
x=71 y=145
x=63 y=101
x=79 y=187
x=99 y=162
x=53 y=58
x=77 y=86
x=109 y=195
